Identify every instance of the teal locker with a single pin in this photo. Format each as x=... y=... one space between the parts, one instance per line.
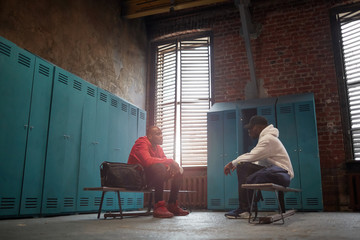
x=16 y=76
x=37 y=138
x=231 y=152
x=89 y=173
x=62 y=162
x=141 y=130
x=263 y=107
x=114 y=129
x=304 y=149
x=215 y=173
x=102 y=136
x=130 y=202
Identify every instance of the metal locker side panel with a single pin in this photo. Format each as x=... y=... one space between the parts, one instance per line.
x=57 y=143
x=16 y=77
x=309 y=159
x=37 y=138
x=89 y=171
x=215 y=173
x=288 y=136
x=231 y=125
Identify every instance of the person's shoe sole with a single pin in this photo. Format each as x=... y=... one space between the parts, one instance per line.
x=244 y=215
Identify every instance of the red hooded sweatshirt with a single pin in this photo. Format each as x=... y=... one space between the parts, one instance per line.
x=145 y=154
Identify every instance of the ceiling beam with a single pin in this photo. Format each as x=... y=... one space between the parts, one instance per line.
x=142 y=8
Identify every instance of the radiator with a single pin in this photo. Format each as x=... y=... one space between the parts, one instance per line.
x=354 y=190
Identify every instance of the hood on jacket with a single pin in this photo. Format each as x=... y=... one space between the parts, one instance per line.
x=270 y=129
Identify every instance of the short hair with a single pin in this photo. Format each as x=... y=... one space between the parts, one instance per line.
x=150 y=129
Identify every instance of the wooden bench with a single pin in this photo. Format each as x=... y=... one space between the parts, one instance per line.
x=279 y=192
x=121 y=214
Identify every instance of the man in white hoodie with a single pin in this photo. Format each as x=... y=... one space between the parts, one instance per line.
x=267 y=162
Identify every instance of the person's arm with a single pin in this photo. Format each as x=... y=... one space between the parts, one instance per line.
x=261 y=151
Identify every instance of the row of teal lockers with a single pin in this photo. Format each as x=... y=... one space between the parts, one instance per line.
x=294 y=116
x=56 y=130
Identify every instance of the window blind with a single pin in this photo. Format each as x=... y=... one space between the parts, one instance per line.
x=350 y=43
x=183 y=99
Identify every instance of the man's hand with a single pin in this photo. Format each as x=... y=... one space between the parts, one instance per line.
x=174 y=169
x=228 y=168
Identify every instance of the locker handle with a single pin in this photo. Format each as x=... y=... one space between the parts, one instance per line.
x=25 y=126
x=95 y=143
x=117 y=148
x=66 y=136
x=31 y=127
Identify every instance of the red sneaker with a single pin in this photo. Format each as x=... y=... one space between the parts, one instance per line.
x=176 y=210
x=160 y=210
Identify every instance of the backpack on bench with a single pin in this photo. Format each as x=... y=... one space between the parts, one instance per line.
x=122 y=175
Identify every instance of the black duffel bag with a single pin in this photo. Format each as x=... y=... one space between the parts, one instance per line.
x=122 y=175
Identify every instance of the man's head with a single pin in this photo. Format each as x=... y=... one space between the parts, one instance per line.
x=256 y=125
x=154 y=135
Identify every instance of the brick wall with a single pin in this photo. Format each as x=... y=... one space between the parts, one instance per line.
x=293 y=54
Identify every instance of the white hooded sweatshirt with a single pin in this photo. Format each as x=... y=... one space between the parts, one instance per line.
x=268 y=151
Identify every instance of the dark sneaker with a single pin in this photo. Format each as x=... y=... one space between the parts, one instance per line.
x=237 y=213
x=176 y=210
x=161 y=211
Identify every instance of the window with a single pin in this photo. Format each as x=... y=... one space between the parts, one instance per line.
x=346 y=35
x=182 y=98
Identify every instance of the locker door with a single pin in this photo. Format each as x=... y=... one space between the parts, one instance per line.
x=288 y=136
x=37 y=138
x=230 y=153
x=16 y=77
x=102 y=136
x=89 y=172
x=130 y=198
x=308 y=156
x=114 y=129
x=123 y=129
x=141 y=132
x=215 y=173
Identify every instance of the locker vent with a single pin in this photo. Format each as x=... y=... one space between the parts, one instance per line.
x=214 y=117
x=233 y=202
x=51 y=203
x=24 y=60
x=122 y=200
x=77 y=85
x=91 y=92
x=124 y=107
x=215 y=202
x=231 y=115
x=84 y=202
x=133 y=111
x=269 y=201
x=265 y=111
x=130 y=201
x=304 y=107
x=285 y=109
x=68 y=202
x=139 y=201
x=44 y=70
x=312 y=201
x=5 y=49
x=109 y=202
x=114 y=102
x=103 y=97
x=291 y=201
x=97 y=201
x=7 y=203
x=142 y=115
x=63 y=78
x=31 y=202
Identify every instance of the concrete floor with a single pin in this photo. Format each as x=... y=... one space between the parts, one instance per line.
x=197 y=225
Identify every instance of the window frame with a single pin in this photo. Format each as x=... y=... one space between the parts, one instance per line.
x=341 y=78
x=152 y=73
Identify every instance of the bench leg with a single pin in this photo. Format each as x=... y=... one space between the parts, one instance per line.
x=101 y=203
x=279 y=203
x=251 y=207
x=120 y=208
x=150 y=201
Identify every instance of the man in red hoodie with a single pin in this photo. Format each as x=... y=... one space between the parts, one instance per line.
x=158 y=169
